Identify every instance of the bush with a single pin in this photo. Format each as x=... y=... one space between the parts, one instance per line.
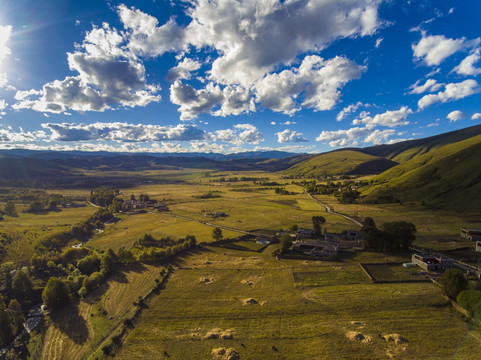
x=453 y=282
x=55 y=293
x=470 y=300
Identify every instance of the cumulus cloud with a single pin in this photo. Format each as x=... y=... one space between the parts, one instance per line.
x=455 y=116
x=290 y=136
x=108 y=77
x=433 y=49
x=240 y=134
x=348 y=110
x=452 y=91
x=315 y=84
x=183 y=70
x=378 y=137
x=146 y=38
x=476 y=116
x=467 y=66
x=247 y=34
x=8 y=135
x=124 y=132
x=388 y=118
x=430 y=85
x=232 y=100
x=344 y=138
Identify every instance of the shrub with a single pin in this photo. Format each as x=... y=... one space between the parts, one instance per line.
x=470 y=300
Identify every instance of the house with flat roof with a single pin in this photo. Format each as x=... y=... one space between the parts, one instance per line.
x=432 y=262
x=326 y=249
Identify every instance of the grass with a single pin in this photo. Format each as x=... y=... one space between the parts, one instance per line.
x=291 y=319
x=76 y=329
x=394 y=272
x=436 y=229
x=26 y=228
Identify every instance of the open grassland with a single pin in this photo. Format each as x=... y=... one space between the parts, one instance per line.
x=436 y=229
x=77 y=328
x=133 y=227
x=251 y=302
x=26 y=228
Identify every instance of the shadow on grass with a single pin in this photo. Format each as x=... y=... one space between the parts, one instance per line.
x=69 y=322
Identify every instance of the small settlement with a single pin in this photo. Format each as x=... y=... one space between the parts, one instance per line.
x=138 y=207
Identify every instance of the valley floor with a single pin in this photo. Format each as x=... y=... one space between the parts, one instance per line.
x=294 y=309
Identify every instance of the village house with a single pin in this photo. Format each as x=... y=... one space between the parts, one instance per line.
x=326 y=249
x=432 y=262
x=304 y=233
x=136 y=205
x=471 y=234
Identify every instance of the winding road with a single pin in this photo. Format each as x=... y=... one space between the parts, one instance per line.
x=329 y=210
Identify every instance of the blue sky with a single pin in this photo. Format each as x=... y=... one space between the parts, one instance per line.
x=229 y=76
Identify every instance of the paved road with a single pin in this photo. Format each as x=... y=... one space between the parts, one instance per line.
x=329 y=210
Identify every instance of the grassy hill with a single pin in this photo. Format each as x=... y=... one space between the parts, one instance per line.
x=406 y=150
x=446 y=176
x=349 y=162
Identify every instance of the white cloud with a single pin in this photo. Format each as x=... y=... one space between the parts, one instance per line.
x=290 y=136
x=8 y=135
x=378 y=42
x=3 y=104
x=247 y=34
x=183 y=70
x=148 y=39
x=436 y=123
x=467 y=66
x=452 y=91
x=242 y=133
x=433 y=49
x=388 y=118
x=124 y=132
x=315 y=84
x=232 y=100
x=430 y=85
x=347 y=110
x=476 y=116
x=455 y=116
x=378 y=137
x=344 y=138
x=108 y=78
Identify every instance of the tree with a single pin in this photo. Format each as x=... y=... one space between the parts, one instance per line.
x=317 y=222
x=217 y=234
x=371 y=234
x=16 y=315
x=10 y=208
x=286 y=242
x=470 y=300
x=6 y=334
x=52 y=205
x=5 y=270
x=22 y=285
x=55 y=293
x=400 y=234
x=35 y=207
x=453 y=282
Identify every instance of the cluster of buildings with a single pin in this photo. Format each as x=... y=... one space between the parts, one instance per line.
x=137 y=206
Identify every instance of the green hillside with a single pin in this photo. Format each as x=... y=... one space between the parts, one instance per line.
x=448 y=176
x=349 y=162
x=406 y=150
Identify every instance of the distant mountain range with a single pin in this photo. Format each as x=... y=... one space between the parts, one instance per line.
x=442 y=170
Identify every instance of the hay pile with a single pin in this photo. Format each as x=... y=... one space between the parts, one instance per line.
x=250 y=301
x=206 y=280
x=359 y=337
x=219 y=334
x=398 y=339
x=251 y=281
x=225 y=354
